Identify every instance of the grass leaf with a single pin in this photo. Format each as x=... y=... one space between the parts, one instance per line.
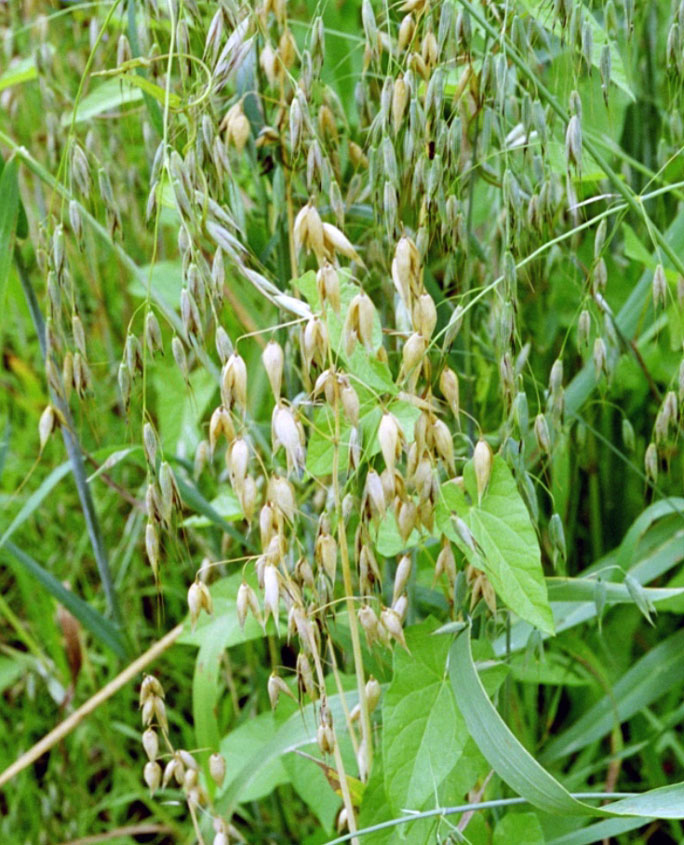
x=98 y=625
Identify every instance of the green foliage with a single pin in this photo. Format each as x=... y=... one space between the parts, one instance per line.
x=506 y=545
x=423 y=732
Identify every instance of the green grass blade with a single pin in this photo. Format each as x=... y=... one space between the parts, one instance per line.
x=598 y=831
x=658 y=510
x=153 y=108
x=584 y=589
x=98 y=625
x=509 y=759
x=516 y=766
x=110 y=96
x=23 y=70
x=651 y=677
x=570 y=613
x=35 y=499
x=9 y=211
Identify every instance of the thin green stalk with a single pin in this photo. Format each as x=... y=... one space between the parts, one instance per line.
x=22 y=632
x=595 y=526
x=366 y=732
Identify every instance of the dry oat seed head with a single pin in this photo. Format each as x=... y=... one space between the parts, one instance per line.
x=482 y=464
x=150 y=743
x=542 y=434
x=449 y=385
x=401 y=577
x=46 y=425
x=389 y=437
x=194 y=603
x=651 y=463
x=407 y=27
x=152 y=774
x=276 y=686
x=335 y=241
x=217 y=768
x=274 y=360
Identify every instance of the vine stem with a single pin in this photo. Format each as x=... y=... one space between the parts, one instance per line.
x=467 y=808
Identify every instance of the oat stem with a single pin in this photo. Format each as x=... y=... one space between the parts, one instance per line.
x=339 y=762
x=349 y=595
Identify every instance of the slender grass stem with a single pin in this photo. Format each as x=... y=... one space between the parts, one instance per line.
x=366 y=733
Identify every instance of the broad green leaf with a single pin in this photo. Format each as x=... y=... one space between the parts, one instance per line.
x=388 y=541
x=226 y=505
x=519 y=769
x=363 y=366
x=376 y=809
x=165 y=279
x=661 y=669
x=310 y=783
x=101 y=628
x=296 y=731
x=213 y=634
x=247 y=742
x=179 y=409
x=110 y=96
x=319 y=455
x=590 y=171
x=423 y=732
x=320 y=450
x=519 y=827
x=510 y=554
